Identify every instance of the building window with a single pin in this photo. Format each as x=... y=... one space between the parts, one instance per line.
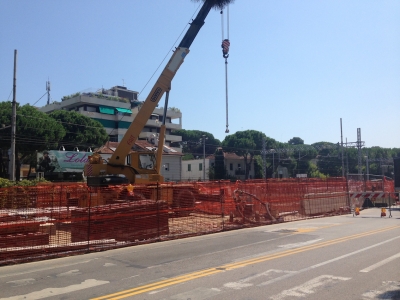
x=189 y=167
x=107 y=123
x=200 y=167
x=239 y=166
x=91 y=108
x=231 y=166
x=123 y=125
x=113 y=138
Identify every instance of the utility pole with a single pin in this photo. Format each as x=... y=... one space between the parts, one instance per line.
x=13 y=119
x=347 y=162
x=204 y=157
x=341 y=138
x=264 y=158
x=367 y=163
x=48 y=91
x=359 y=144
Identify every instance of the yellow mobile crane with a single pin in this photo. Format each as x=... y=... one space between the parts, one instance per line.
x=144 y=167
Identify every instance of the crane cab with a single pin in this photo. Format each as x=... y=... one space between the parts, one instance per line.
x=140 y=167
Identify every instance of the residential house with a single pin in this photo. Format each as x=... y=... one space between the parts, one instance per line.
x=195 y=169
x=234 y=166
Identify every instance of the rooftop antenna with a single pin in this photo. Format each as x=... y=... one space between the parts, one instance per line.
x=123 y=82
x=48 y=91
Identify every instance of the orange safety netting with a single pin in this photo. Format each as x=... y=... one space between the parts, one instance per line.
x=52 y=220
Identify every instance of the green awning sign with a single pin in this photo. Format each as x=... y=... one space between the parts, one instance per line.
x=106 y=110
x=123 y=110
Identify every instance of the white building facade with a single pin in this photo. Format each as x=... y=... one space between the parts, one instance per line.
x=115 y=109
x=192 y=170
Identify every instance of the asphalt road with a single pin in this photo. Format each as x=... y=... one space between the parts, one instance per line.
x=342 y=257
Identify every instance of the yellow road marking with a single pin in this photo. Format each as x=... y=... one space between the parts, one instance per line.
x=310 y=229
x=207 y=272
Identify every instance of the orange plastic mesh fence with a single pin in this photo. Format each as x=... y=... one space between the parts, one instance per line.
x=55 y=220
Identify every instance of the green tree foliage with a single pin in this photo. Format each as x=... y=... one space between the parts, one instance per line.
x=379 y=160
x=80 y=130
x=192 y=141
x=314 y=172
x=34 y=130
x=301 y=156
x=247 y=144
x=328 y=159
x=296 y=141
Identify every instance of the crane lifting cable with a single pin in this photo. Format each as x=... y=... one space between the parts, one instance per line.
x=225 y=54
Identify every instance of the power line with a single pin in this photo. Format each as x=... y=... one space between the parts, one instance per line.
x=161 y=63
x=39 y=99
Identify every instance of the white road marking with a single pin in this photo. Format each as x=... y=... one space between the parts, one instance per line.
x=246 y=281
x=197 y=294
x=51 y=292
x=9 y=274
x=157 y=291
x=129 y=277
x=381 y=263
x=328 y=261
x=221 y=251
x=310 y=287
x=297 y=245
x=69 y=273
x=389 y=290
x=108 y=265
x=22 y=282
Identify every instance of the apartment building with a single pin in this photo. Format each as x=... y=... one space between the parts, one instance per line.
x=115 y=109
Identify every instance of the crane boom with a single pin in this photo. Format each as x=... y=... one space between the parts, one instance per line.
x=162 y=85
x=144 y=167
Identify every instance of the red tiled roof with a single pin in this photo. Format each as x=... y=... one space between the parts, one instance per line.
x=231 y=155
x=227 y=155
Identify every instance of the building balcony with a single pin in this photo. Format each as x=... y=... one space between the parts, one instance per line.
x=157 y=124
x=84 y=99
x=168 y=137
x=173 y=138
x=173 y=114
x=96 y=115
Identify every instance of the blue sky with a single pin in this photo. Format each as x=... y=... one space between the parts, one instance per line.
x=295 y=67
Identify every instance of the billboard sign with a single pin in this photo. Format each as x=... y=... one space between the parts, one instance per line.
x=61 y=161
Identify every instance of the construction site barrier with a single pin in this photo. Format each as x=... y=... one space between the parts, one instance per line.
x=56 y=220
